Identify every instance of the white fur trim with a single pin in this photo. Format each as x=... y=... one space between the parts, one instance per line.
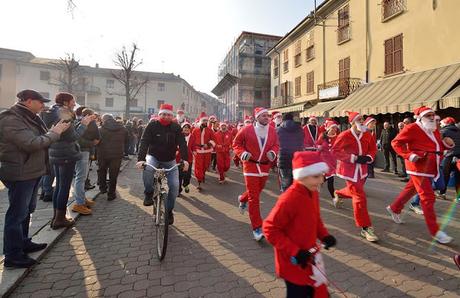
x=261 y=112
x=425 y=112
x=372 y=160
x=412 y=157
x=447 y=145
x=165 y=112
x=353 y=158
x=212 y=143
x=311 y=170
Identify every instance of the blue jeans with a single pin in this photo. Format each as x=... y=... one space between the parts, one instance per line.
x=81 y=170
x=437 y=185
x=285 y=176
x=64 y=175
x=172 y=176
x=22 y=196
x=46 y=183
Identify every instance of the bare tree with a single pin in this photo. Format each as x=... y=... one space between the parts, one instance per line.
x=70 y=75
x=127 y=76
x=71 y=7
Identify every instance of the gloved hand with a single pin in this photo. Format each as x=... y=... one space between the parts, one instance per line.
x=245 y=156
x=329 y=241
x=363 y=159
x=303 y=258
x=271 y=155
x=325 y=137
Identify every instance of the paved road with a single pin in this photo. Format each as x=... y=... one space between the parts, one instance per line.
x=211 y=252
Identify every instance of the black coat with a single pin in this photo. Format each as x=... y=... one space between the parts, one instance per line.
x=290 y=136
x=113 y=139
x=452 y=132
x=386 y=137
x=91 y=134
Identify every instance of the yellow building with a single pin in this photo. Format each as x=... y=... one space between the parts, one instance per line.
x=349 y=51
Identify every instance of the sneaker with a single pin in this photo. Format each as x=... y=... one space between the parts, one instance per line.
x=23 y=262
x=34 y=247
x=395 y=216
x=82 y=209
x=442 y=237
x=171 y=218
x=258 y=235
x=439 y=195
x=148 y=200
x=337 y=201
x=186 y=189
x=242 y=206
x=89 y=203
x=368 y=233
x=457 y=260
x=416 y=209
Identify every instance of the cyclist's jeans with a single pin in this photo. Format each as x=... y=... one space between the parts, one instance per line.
x=172 y=176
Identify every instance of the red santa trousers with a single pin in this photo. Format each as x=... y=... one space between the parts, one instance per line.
x=223 y=163
x=422 y=186
x=202 y=162
x=254 y=186
x=355 y=191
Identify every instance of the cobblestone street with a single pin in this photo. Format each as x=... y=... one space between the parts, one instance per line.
x=211 y=252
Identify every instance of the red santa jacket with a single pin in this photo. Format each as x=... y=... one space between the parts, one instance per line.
x=347 y=148
x=202 y=140
x=309 y=141
x=325 y=148
x=428 y=146
x=224 y=141
x=247 y=140
x=293 y=224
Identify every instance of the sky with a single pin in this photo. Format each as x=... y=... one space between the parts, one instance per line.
x=185 y=37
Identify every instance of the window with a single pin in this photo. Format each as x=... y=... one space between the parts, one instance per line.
x=310 y=52
x=109 y=84
x=44 y=75
x=344 y=76
x=298 y=53
x=343 y=30
x=109 y=102
x=162 y=88
x=311 y=82
x=82 y=82
x=394 y=55
x=259 y=52
x=257 y=94
x=276 y=67
x=285 y=91
x=45 y=94
x=286 y=60
x=298 y=86
x=392 y=8
x=81 y=100
x=159 y=103
x=133 y=103
x=275 y=91
x=258 y=62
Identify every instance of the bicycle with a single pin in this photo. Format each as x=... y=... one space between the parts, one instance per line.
x=160 y=212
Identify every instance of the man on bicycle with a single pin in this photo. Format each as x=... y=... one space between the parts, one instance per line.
x=161 y=139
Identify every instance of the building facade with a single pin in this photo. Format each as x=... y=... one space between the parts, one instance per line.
x=345 y=45
x=97 y=88
x=244 y=75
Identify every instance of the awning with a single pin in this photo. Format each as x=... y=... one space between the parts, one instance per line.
x=224 y=84
x=321 y=109
x=402 y=93
x=298 y=107
x=451 y=99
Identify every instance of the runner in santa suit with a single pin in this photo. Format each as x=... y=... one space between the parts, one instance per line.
x=202 y=140
x=421 y=146
x=311 y=133
x=256 y=145
x=185 y=176
x=325 y=143
x=355 y=149
x=224 y=141
x=236 y=158
x=277 y=119
x=214 y=125
x=180 y=117
x=371 y=124
x=295 y=229
x=247 y=121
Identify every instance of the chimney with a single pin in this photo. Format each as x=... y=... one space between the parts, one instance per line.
x=97 y=65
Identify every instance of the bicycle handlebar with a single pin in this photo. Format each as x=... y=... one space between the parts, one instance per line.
x=162 y=169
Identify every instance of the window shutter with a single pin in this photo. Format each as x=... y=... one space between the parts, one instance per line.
x=398 y=53
x=341 y=63
x=389 y=56
x=346 y=67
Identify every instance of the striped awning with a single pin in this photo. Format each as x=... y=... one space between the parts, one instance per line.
x=402 y=93
x=321 y=109
x=451 y=99
x=298 y=107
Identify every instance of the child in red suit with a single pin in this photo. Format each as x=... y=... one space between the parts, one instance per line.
x=295 y=228
x=224 y=141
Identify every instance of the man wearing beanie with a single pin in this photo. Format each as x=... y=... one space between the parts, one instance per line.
x=355 y=148
x=257 y=146
x=294 y=227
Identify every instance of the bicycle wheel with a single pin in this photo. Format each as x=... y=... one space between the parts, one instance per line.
x=161 y=225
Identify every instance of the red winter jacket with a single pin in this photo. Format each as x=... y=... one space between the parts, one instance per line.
x=224 y=141
x=293 y=224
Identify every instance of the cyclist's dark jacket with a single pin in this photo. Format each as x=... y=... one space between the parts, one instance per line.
x=162 y=142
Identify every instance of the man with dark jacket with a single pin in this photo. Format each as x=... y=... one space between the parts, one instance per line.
x=449 y=129
x=24 y=140
x=110 y=152
x=290 y=137
x=387 y=135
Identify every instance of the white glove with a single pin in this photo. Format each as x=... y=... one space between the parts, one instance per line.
x=245 y=156
x=271 y=155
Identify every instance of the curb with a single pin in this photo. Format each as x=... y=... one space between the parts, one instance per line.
x=10 y=279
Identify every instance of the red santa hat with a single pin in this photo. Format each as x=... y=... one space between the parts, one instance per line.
x=352 y=116
x=166 y=108
x=203 y=116
x=223 y=124
x=307 y=163
x=212 y=118
x=275 y=114
x=247 y=119
x=259 y=111
x=330 y=124
x=448 y=121
x=185 y=124
x=422 y=111
x=368 y=120
x=312 y=118
x=180 y=112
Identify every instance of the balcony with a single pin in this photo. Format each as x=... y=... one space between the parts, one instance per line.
x=340 y=88
x=280 y=101
x=392 y=8
x=343 y=34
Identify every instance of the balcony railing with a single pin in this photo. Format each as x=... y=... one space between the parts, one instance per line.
x=391 y=8
x=343 y=34
x=280 y=101
x=345 y=87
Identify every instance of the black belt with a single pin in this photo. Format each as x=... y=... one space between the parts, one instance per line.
x=260 y=162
